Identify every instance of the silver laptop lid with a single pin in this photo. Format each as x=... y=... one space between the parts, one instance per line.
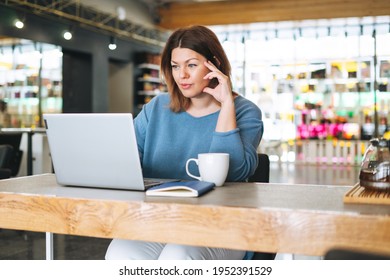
x=94 y=150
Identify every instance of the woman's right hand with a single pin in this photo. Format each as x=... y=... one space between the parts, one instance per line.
x=223 y=91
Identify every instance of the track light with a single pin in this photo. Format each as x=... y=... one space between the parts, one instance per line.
x=68 y=34
x=19 y=23
x=112 y=45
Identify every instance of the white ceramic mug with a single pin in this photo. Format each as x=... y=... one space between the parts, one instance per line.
x=213 y=167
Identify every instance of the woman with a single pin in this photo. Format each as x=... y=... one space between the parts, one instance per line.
x=201 y=114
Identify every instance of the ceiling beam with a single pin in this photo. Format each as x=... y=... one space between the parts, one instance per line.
x=249 y=11
x=73 y=12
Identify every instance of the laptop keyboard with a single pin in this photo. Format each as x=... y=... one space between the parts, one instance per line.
x=149 y=182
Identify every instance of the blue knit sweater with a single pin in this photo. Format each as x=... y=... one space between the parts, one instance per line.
x=167 y=139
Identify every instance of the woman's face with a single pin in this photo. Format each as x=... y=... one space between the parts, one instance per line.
x=188 y=70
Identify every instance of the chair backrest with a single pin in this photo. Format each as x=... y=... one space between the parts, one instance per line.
x=262 y=171
x=6 y=152
x=14 y=140
x=11 y=138
x=6 y=155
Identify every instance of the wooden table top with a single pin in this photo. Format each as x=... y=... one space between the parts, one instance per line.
x=284 y=218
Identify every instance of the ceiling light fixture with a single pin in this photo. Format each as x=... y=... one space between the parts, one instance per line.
x=68 y=35
x=19 y=23
x=121 y=13
x=112 y=45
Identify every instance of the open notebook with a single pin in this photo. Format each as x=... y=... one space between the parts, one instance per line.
x=96 y=150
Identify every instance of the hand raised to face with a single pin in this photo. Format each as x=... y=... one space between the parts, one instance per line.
x=223 y=91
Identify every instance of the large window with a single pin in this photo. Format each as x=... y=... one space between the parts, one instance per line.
x=304 y=74
x=30 y=82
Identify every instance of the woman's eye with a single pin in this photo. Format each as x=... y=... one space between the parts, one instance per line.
x=191 y=65
x=175 y=67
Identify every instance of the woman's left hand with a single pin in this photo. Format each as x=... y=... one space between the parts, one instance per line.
x=223 y=91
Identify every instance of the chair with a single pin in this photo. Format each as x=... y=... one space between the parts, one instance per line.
x=347 y=254
x=262 y=171
x=6 y=157
x=6 y=154
x=13 y=139
x=261 y=175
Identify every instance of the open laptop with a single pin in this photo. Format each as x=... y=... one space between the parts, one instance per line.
x=96 y=150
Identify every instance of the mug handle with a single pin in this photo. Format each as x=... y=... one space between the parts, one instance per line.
x=188 y=172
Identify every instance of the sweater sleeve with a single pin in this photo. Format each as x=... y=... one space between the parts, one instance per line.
x=242 y=142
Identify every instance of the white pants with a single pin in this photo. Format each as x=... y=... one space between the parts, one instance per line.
x=120 y=249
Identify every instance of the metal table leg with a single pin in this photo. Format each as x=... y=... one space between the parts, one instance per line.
x=49 y=246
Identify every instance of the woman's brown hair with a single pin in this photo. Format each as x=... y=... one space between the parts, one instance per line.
x=201 y=40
